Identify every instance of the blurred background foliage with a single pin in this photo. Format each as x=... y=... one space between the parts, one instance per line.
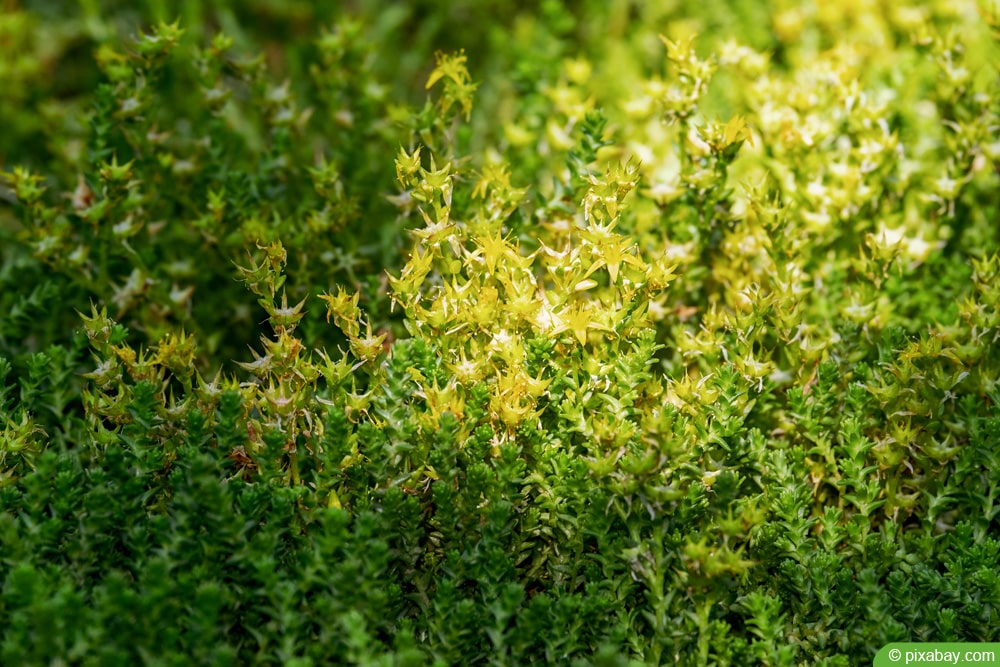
x=290 y=131
x=214 y=151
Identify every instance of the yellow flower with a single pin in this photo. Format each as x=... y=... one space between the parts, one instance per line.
x=491 y=249
x=579 y=319
x=451 y=66
x=615 y=251
x=407 y=165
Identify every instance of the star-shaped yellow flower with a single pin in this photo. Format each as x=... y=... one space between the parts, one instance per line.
x=578 y=319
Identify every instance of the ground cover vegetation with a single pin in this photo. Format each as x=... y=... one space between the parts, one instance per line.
x=591 y=333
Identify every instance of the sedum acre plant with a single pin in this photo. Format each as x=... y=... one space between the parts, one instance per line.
x=597 y=342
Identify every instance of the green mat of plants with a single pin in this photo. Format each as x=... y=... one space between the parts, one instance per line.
x=469 y=333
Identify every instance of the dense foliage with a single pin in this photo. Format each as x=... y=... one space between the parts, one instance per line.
x=574 y=337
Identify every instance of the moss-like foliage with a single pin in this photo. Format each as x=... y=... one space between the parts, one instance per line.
x=498 y=333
